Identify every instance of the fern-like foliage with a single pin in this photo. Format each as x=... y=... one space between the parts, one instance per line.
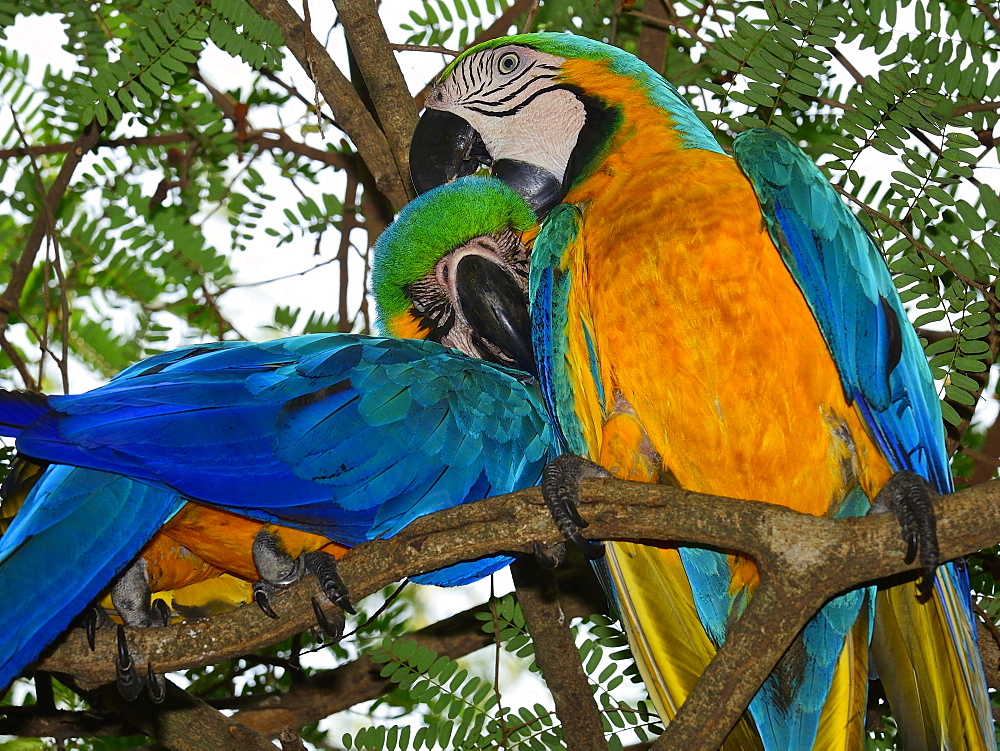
x=443 y=22
x=460 y=709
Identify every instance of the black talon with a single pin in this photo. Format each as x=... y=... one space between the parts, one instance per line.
x=324 y=567
x=549 y=558
x=560 y=488
x=907 y=496
x=260 y=596
x=156 y=685
x=334 y=630
x=159 y=614
x=129 y=682
x=94 y=618
x=91 y=625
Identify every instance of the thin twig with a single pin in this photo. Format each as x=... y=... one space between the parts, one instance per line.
x=425 y=48
x=529 y=19
x=25 y=262
x=985 y=10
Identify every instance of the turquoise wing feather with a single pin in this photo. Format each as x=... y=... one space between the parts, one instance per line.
x=926 y=654
x=349 y=436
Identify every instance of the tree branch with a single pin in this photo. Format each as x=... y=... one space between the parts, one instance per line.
x=348 y=110
x=181 y=722
x=548 y=627
x=320 y=695
x=390 y=96
x=50 y=205
x=792 y=550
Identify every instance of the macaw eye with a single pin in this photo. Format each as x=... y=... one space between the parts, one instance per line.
x=508 y=62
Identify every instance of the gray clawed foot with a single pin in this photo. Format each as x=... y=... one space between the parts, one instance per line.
x=561 y=488
x=129 y=683
x=549 y=558
x=277 y=569
x=324 y=567
x=908 y=497
x=132 y=598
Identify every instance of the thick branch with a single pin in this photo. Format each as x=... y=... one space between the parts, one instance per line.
x=548 y=626
x=377 y=62
x=348 y=110
x=310 y=700
x=182 y=722
x=781 y=540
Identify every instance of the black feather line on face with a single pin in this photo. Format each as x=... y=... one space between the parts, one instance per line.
x=472 y=105
x=601 y=122
x=431 y=307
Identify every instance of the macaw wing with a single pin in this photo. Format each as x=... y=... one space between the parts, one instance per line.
x=348 y=436
x=846 y=283
x=925 y=652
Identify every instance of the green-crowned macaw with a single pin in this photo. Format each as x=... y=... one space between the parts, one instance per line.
x=726 y=325
x=347 y=437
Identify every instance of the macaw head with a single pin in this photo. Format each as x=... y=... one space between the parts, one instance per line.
x=541 y=111
x=453 y=268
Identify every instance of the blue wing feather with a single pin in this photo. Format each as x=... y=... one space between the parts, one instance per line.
x=883 y=371
x=77 y=529
x=349 y=436
x=331 y=426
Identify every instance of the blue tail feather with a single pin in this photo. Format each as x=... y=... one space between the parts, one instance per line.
x=77 y=530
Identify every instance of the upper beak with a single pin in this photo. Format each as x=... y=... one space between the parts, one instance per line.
x=497 y=309
x=446 y=147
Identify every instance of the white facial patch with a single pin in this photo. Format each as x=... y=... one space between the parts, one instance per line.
x=525 y=114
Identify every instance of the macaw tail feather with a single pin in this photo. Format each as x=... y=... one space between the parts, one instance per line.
x=670 y=646
x=77 y=529
x=926 y=655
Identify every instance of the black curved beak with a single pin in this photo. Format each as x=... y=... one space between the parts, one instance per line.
x=497 y=309
x=444 y=147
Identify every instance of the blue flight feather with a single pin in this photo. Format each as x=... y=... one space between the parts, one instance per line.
x=349 y=436
x=882 y=366
x=77 y=529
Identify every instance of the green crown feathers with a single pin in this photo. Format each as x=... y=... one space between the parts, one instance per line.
x=432 y=225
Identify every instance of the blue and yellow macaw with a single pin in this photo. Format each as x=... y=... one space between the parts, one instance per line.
x=333 y=437
x=723 y=324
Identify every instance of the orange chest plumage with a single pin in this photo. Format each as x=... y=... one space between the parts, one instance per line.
x=702 y=336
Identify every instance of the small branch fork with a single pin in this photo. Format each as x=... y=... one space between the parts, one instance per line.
x=792 y=550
